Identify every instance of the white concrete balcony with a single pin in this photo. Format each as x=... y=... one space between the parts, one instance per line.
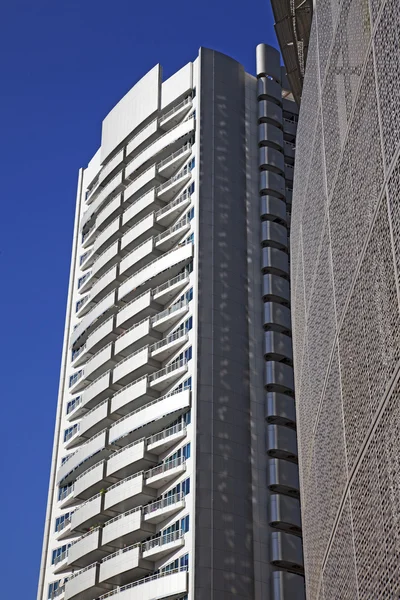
x=124 y=565
x=167 y=318
x=141 y=207
x=108 y=214
x=162 y=474
x=163 y=508
x=164 y=293
x=169 y=238
x=104 y=285
x=87 y=259
x=67 y=498
x=141 y=231
x=89 y=237
x=107 y=236
x=170 y=585
x=86 y=455
x=86 y=549
x=88 y=514
x=162 y=441
x=158 y=271
x=80 y=333
x=150 y=418
x=136 y=336
x=98 y=363
x=111 y=165
x=95 y=419
x=139 y=257
x=90 y=482
x=83 y=584
x=106 y=260
x=167 y=190
x=158 y=548
x=128 y=528
x=144 y=135
x=132 y=396
x=169 y=345
x=174 y=116
x=83 y=306
x=128 y=493
x=169 y=165
x=141 y=183
x=130 y=459
x=167 y=143
x=171 y=211
x=162 y=379
x=95 y=392
x=100 y=336
x=104 y=196
x=133 y=366
x=140 y=307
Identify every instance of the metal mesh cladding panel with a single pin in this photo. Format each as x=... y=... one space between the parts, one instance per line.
x=345 y=301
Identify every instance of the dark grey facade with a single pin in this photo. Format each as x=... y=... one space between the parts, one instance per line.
x=345 y=240
x=248 y=525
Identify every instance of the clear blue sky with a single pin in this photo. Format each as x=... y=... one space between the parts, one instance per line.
x=63 y=65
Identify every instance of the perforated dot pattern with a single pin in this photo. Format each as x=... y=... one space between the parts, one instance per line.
x=345 y=264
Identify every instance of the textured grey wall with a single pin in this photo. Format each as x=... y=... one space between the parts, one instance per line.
x=345 y=243
x=224 y=545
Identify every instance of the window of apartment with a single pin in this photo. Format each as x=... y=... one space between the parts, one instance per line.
x=63 y=491
x=190 y=213
x=71 y=404
x=69 y=432
x=62 y=518
x=181 y=562
x=191 y=188
x=58 y=552
x=192 y=164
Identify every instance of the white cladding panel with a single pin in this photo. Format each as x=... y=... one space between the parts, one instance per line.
x=136 y=106
x=92 y=169
x=176 y=85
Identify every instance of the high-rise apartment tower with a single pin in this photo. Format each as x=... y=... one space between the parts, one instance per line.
x=174 y=470
x=345 y=244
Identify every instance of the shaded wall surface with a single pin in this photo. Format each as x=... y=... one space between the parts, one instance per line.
x=345 y=244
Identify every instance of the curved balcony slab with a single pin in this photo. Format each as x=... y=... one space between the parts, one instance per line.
x=128 y=528
x=124 y=565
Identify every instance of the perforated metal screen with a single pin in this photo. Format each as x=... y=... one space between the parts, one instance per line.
x=345 y=241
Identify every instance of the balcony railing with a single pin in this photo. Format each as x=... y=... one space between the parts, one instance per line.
x=163 y=503
x=170 y=283
x=141 y=408
x=77 y=573
x=89 y=469
x=158 y=139
x=185 y=171
x=165 y=466
x=125 y=514
x=58 y=592
x=76 y=353
x=179 y=200
x=168 y=340
x=182 y=223
x=169 y=311
x=85 y=535
x=168 y=369
x=63 y=524
x=162 y=540
x=156 y=260
x=60 y=557
x=158 y=437
x=66 y=493
x=118 y=552
x=140 y=582
x=176 y=109
x=182 y=150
